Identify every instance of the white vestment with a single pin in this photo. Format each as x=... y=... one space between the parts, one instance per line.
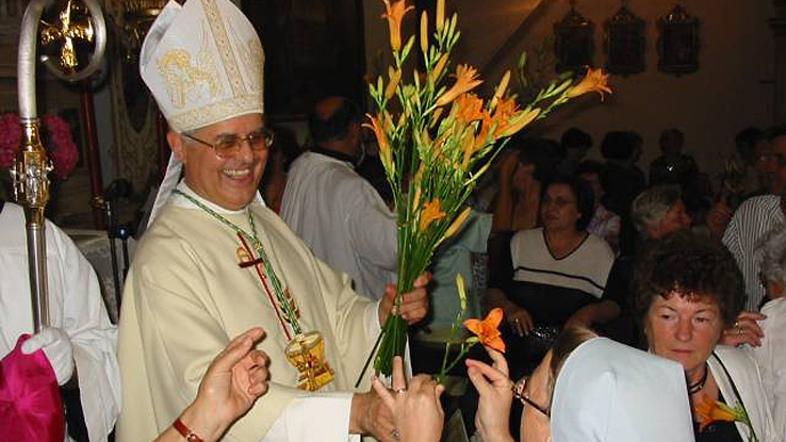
x=343 y=220
x=609 y=392
x=771 y=359
x=75 y=305
x=186 y=297
x=744 y=377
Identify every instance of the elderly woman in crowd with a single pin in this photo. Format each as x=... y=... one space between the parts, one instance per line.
x=688 y=289
x=771 y=356
x=555 y=276
x=587 y=389
x=657 y=212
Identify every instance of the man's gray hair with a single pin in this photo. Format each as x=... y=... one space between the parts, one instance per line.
x=649 y=208
x=772 y=249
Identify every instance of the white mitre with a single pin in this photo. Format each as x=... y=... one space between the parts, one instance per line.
x=204 y=63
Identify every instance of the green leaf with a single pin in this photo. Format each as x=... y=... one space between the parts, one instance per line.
x=522 y=60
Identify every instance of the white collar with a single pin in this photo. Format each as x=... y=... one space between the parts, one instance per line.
x=181 y=201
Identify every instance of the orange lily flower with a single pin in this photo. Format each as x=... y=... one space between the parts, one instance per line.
x=594 y=81
x=506 y=108
x=395 y=15
x=469 y=108
x=503 y=112
x=487 y=330
x=466 y=80
x=485 y=127
x=432 y=211
x=709 y=411
x=385 y=155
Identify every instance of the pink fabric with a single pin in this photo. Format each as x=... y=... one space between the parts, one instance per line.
x=30 y=404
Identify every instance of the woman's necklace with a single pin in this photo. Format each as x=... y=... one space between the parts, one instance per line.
x=698 y=386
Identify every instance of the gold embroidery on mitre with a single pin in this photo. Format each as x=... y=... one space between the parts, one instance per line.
x=220 y=37
x=252 y=60
x=183 y=79
x=256 y=64
x=221 y=110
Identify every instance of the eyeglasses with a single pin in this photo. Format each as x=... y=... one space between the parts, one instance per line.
x=521 y=395
x=228 y=146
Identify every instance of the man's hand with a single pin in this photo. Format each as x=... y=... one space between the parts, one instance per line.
x=414 y=305
x=57 y=347
x=370 y=416
x=745 y=331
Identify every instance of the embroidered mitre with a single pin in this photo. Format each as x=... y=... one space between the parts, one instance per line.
x=204 y=63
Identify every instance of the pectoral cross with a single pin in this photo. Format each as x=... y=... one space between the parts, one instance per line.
x=66 y=32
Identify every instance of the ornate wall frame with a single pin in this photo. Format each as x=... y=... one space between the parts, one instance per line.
x=678 y=42
x=573 y=42
x=624 y=43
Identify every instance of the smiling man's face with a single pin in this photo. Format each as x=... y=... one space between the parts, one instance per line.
x=228 y=182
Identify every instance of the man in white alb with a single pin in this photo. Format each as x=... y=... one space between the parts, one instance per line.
x=333 y=209
x=80 y=341
x=215 y=261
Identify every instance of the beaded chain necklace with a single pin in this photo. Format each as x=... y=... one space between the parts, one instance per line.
x=260 y=249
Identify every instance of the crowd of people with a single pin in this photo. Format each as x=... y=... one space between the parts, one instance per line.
x=635 y=307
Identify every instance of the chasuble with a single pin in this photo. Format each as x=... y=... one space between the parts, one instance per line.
x=195 y=284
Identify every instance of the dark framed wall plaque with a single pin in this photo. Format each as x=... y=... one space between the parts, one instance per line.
x=678 y=42
x=624 y=43
x=573 y=42
x=313 y=48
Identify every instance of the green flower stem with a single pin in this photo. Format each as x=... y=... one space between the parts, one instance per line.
x=465 y=348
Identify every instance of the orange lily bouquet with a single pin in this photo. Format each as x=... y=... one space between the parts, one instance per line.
x=435 y=141
x=485 y=331
x=708 y=411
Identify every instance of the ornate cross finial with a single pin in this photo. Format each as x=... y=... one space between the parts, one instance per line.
x=65 y=32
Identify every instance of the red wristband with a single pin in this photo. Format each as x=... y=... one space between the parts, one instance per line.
x=185 y=431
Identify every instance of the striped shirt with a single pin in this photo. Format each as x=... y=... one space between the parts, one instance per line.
x=585 y=269
x=755 y=217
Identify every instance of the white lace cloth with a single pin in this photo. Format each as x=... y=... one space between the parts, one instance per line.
x=94 y=244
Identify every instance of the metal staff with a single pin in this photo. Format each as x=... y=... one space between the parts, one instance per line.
x=31 y=185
